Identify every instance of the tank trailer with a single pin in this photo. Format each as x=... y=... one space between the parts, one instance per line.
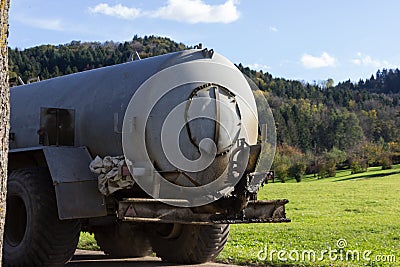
x=157 y=154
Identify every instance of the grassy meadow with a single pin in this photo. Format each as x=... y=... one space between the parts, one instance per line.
x=362 y=211
x=348 y=220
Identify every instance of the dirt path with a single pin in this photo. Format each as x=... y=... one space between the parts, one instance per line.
x=84 y=258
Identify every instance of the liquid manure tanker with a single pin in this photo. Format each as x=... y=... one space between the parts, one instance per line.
x=157 y=154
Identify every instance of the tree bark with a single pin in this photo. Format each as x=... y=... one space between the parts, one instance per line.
x=4 y=115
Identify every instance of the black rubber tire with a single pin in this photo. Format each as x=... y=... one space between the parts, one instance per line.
x=193 y=243
x=34 y=235
x=123 y=240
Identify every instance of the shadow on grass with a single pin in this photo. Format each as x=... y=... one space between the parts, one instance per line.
x=368 y=176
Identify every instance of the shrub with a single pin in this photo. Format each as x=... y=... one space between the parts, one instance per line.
x=386 y=162
x=358 y=166
x=289 y=162
x=328 y=162
x=297 y=170
x=328 y=169
x=281 y=171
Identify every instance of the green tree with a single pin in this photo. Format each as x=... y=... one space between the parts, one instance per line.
x=330 y=83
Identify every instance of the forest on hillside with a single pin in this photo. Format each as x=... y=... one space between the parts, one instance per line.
x=320 y=127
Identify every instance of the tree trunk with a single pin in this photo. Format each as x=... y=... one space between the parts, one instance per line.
x=4 y=115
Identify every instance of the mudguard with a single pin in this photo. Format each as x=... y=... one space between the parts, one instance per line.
x=76 y=187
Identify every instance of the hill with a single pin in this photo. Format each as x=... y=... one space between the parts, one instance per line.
x=47 y=61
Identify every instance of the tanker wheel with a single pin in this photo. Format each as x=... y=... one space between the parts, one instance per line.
x=123 y=240
x=189 y=243
x=34 y=235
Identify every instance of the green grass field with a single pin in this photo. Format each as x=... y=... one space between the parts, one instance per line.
x=360 y=211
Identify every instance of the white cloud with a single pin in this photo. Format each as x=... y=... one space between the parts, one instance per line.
x=196 y=11
x=368 y=61
x=312 y=62
x=188 y=11
x=118 y=11
x=273 y=29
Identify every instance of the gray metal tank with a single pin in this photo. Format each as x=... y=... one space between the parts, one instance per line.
x=97 y=100
x=95 y=107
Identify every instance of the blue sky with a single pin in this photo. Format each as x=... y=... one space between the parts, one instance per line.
x=304 y=40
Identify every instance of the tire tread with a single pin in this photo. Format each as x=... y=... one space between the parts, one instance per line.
x=197 y=244
x=51 y=241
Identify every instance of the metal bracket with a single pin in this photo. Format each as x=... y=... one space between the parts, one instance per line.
x=155 y=211
x=198 y=46
x=208 y=53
